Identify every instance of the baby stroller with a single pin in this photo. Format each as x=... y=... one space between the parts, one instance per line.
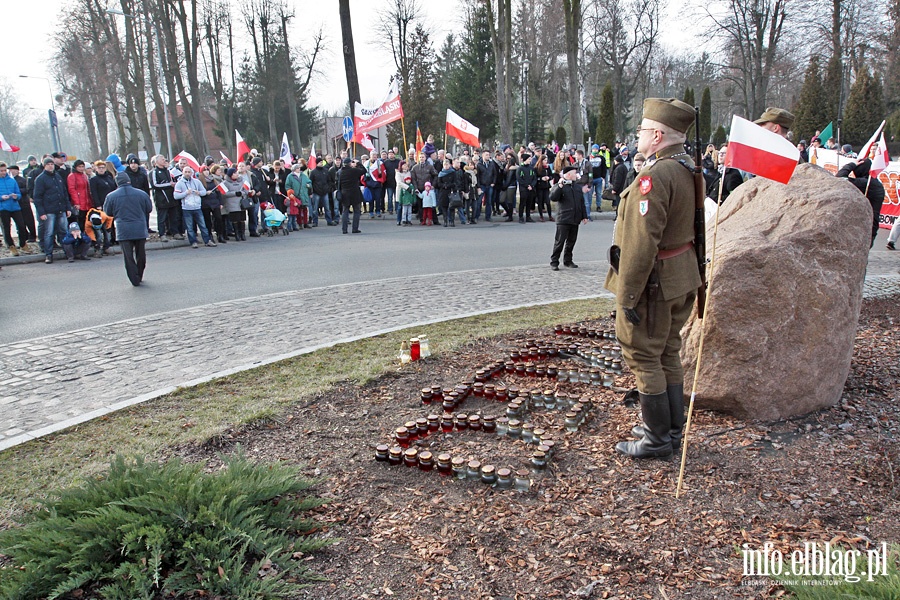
x=274 y=220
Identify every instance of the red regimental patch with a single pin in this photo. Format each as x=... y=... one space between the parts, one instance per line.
x=646 y=184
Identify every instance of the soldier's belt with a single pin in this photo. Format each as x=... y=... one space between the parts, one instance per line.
x=673 y=252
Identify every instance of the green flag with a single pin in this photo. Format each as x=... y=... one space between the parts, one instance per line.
x=826 y=133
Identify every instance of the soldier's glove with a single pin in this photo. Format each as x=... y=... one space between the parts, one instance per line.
x=632 y=316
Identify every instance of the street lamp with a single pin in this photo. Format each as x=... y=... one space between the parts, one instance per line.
x=159 y=67
x=526 y=64
x=54 y=124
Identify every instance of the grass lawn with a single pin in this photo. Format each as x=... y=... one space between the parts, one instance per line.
x=203 y=412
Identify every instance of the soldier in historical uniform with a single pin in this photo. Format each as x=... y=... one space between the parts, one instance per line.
x=655 y=276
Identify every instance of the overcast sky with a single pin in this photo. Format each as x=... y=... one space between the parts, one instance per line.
x=27 y=38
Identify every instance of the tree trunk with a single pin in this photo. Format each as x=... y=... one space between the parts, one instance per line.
x=349 y=54
x=291 y=98
x=501 y=41
x=572 y=15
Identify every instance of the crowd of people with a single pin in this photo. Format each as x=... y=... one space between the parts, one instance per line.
x=51 y=199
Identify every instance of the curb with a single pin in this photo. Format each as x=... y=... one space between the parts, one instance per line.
x=60 y=255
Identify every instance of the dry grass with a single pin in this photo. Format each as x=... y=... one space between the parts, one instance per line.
x=204 y=412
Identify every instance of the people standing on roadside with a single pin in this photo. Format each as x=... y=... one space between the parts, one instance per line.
x=654 y=274
x=486 y=170
x=728 y=178
x=235 y=201
x=871 y=188
x=526 y=178
x=320 y=189
x=168 y=209
x=617 y=180
x=190 y=191
x=446 y=182
x=51 y=200
x=542 y=189
x=30 y=231
x=351 y=195
x=406 y=196
x=298 y=182
x=570 y=213
x=79 y=189
x=259 y=192
x=130 y=209
x=211 y=204
x=421 y=173
x=429 y=203
x=638 y=164
x=10 y=212
x=391 y=163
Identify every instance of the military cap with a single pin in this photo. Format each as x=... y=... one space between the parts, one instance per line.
x=779 y=116
x=676 y=114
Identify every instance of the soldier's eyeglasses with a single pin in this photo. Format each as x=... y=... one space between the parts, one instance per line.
x=640 y=129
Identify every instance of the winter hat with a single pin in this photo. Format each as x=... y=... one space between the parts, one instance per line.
x=47 y=161
x=132 y=159
x=31 y=157
x=77 y=163
x=568 y=168
x=847 y=148
x=74 y=227
x=347 y=162
x=427 y=185
x=256 y=161
x=290 y=193
x=122 y=179
x=230 y=171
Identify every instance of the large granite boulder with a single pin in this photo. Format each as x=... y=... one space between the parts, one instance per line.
x=786 y=297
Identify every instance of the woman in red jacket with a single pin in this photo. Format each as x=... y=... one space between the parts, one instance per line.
x=79 y=193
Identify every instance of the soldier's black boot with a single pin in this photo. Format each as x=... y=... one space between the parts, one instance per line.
x=676 y=411
x=657 y=442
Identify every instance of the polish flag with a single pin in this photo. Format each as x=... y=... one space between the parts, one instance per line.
x=4 y=145
x=761 y=152
x=873 y=145
x=364 y=140
x=243 y=148
x=246 y=186
x=368 y=119
x=226 y=159
x=191 y=161
x=880 y=158
x=461 y=129
x=221 y=187
x=311 y=163
x=286 y=157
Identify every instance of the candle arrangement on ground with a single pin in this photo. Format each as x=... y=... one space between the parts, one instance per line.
x=519 y=411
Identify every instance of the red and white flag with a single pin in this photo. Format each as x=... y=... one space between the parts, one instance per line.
x=761 y=152
x=191 y=161
x=226 y=159
x=4 y=145
x=311 y=163
x=881 y=157
x=221 y=187
x=873 y=145
x=246 y=185
x=461 y=129
x=370 y=119
x=364 y=140
x=243 y=148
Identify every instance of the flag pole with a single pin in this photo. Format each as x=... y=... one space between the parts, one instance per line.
x=703 y=322
x=405 y=145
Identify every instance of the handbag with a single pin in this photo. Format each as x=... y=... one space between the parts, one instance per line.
x=455 y=200
x=367 y=194
x=372 y=182
x=246 y=203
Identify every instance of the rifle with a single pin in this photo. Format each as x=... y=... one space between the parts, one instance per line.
x=699 y=214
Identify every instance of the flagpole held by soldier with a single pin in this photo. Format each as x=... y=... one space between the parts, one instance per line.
x=654 y=274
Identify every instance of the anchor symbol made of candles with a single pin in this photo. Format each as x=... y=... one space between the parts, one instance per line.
x=578 y=355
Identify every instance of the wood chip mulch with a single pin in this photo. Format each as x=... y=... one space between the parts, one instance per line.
x=594 y=524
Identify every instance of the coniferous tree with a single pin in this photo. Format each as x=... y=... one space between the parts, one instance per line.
x=720 y=136
x=810 y=111
x=418 y=93
x=470 y=84
x=865 y=109
x=705 y=115
x=831 y=85
x=560 y=135
x=689 y=96
x=606 y=129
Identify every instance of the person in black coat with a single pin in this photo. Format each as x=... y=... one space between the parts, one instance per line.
x=617 y=179
x=349 y=180
x=570 y=213
x=486 y=170
x=730 y=179
x=871 y=187
x=526 y=177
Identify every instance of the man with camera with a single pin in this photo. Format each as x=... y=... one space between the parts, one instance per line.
x=570 y=213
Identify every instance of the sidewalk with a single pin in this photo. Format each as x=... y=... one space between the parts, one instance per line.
x=106 y=368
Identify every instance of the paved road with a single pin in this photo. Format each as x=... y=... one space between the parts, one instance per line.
x=52 y=299
x=211 y=312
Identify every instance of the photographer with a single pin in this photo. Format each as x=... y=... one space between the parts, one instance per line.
x=351 y=196
x=570 y=213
